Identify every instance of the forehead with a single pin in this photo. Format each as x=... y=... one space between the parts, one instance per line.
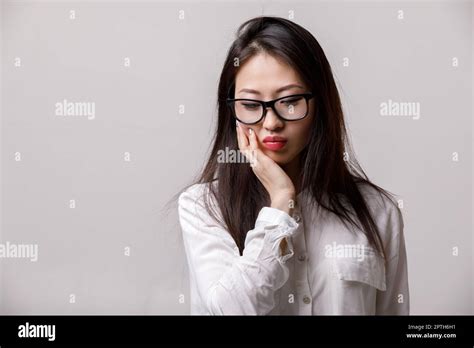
x=266 y=74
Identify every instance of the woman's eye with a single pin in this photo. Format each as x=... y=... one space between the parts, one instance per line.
x=251 y=106
x=291 y=101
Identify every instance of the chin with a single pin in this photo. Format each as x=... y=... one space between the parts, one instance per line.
x=279 y=158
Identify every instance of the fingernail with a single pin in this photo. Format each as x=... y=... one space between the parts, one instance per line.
x=250 y=130
x=236 y=123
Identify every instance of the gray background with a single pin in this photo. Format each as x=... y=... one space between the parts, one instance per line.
x=177 y=62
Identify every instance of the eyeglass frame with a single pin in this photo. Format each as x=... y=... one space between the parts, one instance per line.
x=271 y=103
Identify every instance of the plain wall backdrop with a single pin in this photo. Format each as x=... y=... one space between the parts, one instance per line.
x=89 y=189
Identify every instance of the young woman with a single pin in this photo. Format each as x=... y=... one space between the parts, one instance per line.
x=300 y=229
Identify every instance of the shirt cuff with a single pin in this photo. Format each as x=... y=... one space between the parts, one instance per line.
x=277 y=225
x=275 y=217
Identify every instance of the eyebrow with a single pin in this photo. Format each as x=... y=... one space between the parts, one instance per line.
x=284 y=88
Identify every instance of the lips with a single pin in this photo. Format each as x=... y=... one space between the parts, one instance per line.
x=274 y=143
x=274 y=139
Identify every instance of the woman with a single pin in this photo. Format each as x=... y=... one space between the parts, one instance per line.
x=300 y=229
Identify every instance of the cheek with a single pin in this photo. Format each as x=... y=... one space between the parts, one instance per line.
x=302 y=135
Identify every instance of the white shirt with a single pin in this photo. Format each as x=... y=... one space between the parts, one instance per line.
x=327 y=269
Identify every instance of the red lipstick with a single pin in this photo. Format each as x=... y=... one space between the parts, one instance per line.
x=274 y=143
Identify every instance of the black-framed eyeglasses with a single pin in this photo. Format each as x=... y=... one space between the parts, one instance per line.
x=289 y=108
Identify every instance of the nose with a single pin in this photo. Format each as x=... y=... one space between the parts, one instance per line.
x=271 y=120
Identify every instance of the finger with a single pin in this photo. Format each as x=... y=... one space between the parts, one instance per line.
x=237 y=130
x=253 y=140
x=244 y=145
x=243 y=141
x=244 y=136
x=253 y=148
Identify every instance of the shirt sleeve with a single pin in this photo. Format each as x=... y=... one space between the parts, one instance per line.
x=396 y=299
x=228 y=283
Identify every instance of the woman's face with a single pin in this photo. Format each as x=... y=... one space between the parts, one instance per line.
x=260 y=78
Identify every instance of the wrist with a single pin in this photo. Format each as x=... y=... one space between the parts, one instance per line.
x=284 y=202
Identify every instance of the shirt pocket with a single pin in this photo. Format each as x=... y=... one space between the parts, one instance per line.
x=369 y=269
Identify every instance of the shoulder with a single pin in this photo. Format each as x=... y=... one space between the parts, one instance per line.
x=196 y=193
x=193 y=192
x=198 y=201
x=376 y=199
x=384 y=210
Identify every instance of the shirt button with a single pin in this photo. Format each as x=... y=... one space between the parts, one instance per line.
x=306 y=299
x=297 y=217
x=302 y=257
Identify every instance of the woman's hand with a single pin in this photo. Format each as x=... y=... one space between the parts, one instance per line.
x=277 y=183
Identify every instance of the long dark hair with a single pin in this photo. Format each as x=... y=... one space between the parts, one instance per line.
x=331 y=178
